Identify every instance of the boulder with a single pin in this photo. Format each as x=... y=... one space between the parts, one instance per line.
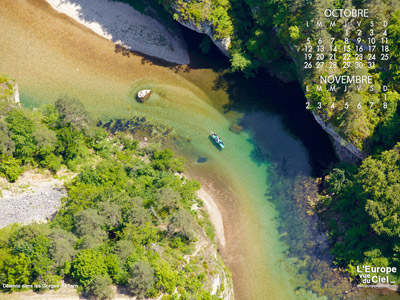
x=235 y=128
x=143 y=95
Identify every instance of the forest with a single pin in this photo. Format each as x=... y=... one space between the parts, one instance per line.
x=129 y=219
x=360 y=207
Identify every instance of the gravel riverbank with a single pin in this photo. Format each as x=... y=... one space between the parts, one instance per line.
x=33 y=198
x=121 y=24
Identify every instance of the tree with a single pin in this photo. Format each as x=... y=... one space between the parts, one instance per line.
x=239 y=62
x=15 y=270
x=90 y=241
x=394 y=34
x=336 y=181
x=163 y=160
x=7 y=145
x=52 y=162
x=62 y=246
x=182 y=223
x=123 y=249
x=141 y=279
x=167 y=200
x=294 y=33
x=87 y=264
x=21 y=129
x=99 y=288
x=45 y=139
x=111 y=212
x=166 y=277
x=380 y=182
x=69 y=143
x=137 y=215
x=89 y=222
x=10 y=167
x=72 y=112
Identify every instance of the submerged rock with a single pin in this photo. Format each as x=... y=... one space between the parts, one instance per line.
x=235 y=128
x=202 y=160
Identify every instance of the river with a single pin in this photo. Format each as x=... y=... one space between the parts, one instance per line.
x=255 y=180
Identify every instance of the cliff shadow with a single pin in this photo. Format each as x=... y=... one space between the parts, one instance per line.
x=275 y=111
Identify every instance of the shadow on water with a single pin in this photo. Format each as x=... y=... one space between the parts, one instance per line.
x=285 y=101
x=265 y=97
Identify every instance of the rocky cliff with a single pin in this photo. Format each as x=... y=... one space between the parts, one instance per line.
x=207 y=28
x=204 y=25
x=345 y=151
x=9 y=90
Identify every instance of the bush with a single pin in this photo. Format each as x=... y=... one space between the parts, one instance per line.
x=99 y=288
x=163 y=160
x=87 y=264
x=142 y=279
x=72 y=112
x=10 y=167
x=52 y=162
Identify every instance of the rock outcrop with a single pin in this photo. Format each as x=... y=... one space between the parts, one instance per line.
x=346 y=151
x=9 y=90
x=218 y=281
x=206 y=28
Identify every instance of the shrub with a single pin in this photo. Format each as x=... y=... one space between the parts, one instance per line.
x=87 y=264
x=99 y=288
x=10 y=167
x=142 y=279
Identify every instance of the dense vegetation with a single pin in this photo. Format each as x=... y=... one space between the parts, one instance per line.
x=127 y=220
x=209 y=11
x=360 y=207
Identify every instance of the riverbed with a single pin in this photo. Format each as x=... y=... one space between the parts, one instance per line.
x=51 y=55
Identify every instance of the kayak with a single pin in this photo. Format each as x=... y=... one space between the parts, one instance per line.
x=217 y=140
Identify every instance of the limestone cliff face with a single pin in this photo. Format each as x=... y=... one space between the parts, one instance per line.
x=218 y=281
x=15 y=97
x=205 y=27
x=346 y=151
x=9 y=90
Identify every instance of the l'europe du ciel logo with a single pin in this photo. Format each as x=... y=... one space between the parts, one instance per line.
x=376 y=276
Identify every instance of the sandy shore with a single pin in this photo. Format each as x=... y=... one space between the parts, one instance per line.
x=215 y=215
x=121 y=24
